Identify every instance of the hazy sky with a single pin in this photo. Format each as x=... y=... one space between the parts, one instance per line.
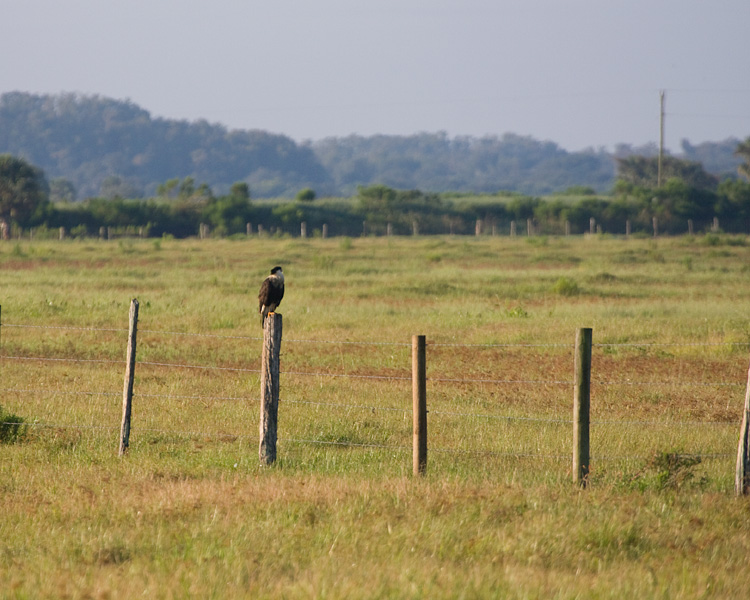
x=578 y=72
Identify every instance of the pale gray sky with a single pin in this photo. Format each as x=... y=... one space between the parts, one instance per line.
x=577 y=72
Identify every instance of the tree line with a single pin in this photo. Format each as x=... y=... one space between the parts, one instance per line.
x=94 y=147
x=690 y=198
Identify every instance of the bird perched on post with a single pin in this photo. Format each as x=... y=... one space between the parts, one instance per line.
x=271 y=293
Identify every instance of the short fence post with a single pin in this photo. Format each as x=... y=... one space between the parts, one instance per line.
x=269 y=387
x=127 y=393
x=742 y=474
x=419 y=402
x=581 y=406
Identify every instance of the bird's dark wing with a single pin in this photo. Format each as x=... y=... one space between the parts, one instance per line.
x=264 y=294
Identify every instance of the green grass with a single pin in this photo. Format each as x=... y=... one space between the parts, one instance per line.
x=189 y=511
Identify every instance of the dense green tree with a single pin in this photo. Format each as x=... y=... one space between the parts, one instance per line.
x=306 y=195
x=240 y=189
x=228 y=214
x=377 y=202
x=733 y=202
x=168 y=189
x=24 y=191
x=643 y=170
x=676 y=200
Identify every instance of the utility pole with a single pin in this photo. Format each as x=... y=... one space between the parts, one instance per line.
x=661 y=138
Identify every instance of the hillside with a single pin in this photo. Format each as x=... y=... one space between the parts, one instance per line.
x=90 y=141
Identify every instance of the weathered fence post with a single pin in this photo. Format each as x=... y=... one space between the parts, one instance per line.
x=419 y=403
x=127 y=393
x=742 y=474
x=325 y=230
x=478 y=228
x=269 y=387
x=303 y=229
x=581 y=406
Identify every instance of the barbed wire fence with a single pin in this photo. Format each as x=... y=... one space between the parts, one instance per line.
x=442 y=412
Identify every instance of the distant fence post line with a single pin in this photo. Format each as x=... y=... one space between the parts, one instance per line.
x=269 y=388
x=742 y=474
x=419 y=403
x=581 y=406
x=127 y=393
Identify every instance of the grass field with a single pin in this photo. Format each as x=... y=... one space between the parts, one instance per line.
x=190 y=512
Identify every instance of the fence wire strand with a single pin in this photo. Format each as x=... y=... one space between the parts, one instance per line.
x=382 y=343
x=282 y=439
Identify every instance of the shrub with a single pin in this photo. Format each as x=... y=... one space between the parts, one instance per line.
x=12 y=427
x=566 y=287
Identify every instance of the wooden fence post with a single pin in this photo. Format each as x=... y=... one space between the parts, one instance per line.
x=127 y=393
x=742 y=474
x=419 y=402
x=269 y=387
x=581 y=406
